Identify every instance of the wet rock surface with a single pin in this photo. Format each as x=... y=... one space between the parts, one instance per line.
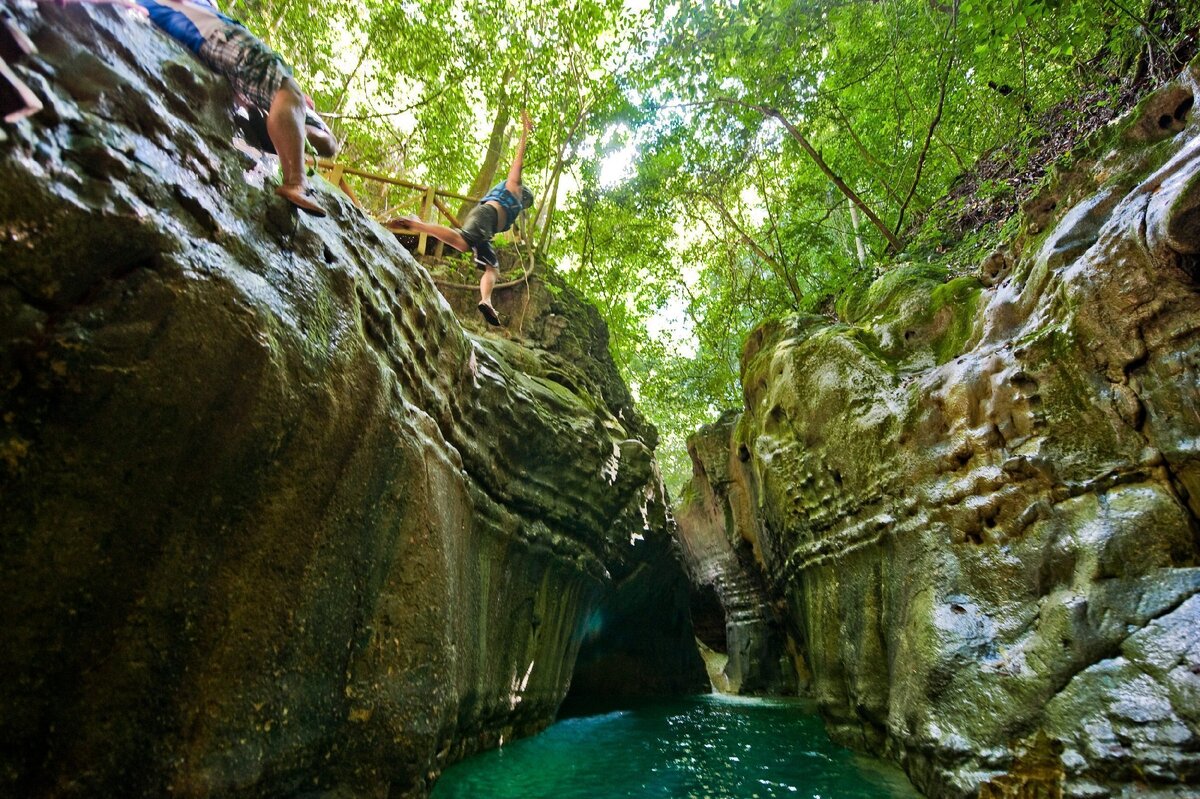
x=979 y=498
x=717 y=530
x=273 y=523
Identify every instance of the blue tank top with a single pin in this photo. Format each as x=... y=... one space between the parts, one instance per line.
x=512 y=205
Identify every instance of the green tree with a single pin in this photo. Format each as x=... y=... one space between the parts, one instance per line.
x=784 y=150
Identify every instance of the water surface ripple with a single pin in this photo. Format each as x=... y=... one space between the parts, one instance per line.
x=704 y=747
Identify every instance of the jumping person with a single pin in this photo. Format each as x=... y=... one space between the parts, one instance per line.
x=260 y=79
x=495 y=213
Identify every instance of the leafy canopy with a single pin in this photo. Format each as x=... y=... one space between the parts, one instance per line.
x=708 y=164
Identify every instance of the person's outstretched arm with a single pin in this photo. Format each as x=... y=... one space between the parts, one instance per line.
x=513 y=183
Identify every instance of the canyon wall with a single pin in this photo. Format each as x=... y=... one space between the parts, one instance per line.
x=732 y=609
x=979 y=498
x=272 y=520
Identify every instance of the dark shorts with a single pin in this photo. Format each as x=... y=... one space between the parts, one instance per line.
x=477 y=231
x=255 y=70
x=313 y=120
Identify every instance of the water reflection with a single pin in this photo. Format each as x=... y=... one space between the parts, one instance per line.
x=707 y=747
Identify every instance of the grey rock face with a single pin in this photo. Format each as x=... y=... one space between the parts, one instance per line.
x=980 y=505
x=717 y=530
x=273 y=523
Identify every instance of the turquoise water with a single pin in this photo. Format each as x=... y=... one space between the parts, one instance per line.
x=704 y=747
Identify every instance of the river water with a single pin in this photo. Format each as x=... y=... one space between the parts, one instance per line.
x=703 y=747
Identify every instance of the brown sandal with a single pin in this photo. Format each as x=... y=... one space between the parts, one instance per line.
x=300 y=197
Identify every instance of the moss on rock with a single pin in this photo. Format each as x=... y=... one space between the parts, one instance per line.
x=978 y=503
x=274 y=523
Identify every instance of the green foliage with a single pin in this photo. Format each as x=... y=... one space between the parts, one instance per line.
x=725 y=217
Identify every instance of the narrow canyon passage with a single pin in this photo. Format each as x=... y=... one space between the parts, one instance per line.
x=282 y=517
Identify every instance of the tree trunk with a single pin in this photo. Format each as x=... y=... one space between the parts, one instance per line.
x=858 y=241
x=780 y=270
x=491 y=160
x=546 y=212
x=933 y=123
x=894 y=242
x=550 y=192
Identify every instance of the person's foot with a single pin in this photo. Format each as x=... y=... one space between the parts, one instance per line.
x=302 y=197
x=408 y=220
x=489 y=313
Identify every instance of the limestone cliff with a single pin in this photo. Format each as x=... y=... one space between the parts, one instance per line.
x=731 y=608
x=273 y=523
x=979 y=499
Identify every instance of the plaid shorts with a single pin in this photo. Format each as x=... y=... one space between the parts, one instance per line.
x=255 y=70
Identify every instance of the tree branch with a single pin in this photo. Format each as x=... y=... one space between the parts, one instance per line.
x=776 y=265
x=386 y=114
x=933 y=123
x=895 y=244
x=867 y=154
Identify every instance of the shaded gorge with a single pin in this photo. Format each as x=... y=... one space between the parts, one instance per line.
x=708 y=747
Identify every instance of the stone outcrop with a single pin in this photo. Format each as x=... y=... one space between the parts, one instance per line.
x=979 y=499
x=718 y=531
x=272 y=521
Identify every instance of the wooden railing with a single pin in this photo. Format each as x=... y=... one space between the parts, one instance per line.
x=431 y=201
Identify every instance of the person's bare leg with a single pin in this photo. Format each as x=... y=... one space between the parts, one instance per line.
x=440 y=232
x=285 y=126
x=322 y=141
x=487 y=282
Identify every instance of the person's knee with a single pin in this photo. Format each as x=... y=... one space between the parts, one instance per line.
x=289 y=92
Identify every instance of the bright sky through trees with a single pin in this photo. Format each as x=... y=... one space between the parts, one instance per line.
x=704 y=165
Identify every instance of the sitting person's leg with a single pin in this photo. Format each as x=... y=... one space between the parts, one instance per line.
x=318 y=133
x=285 y=126
x=262 y=80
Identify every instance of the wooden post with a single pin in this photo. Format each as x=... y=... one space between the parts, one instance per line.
x=349 y=192
x=426 y=209
x=450 y=218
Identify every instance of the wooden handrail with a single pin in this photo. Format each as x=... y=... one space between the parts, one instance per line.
x=446 y=212
x=326 y=164
x=430 y=199
x=336 y=173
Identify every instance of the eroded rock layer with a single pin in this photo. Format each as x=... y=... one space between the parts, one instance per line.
x=979 y=499
x=271 y=521
x=718 y=531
